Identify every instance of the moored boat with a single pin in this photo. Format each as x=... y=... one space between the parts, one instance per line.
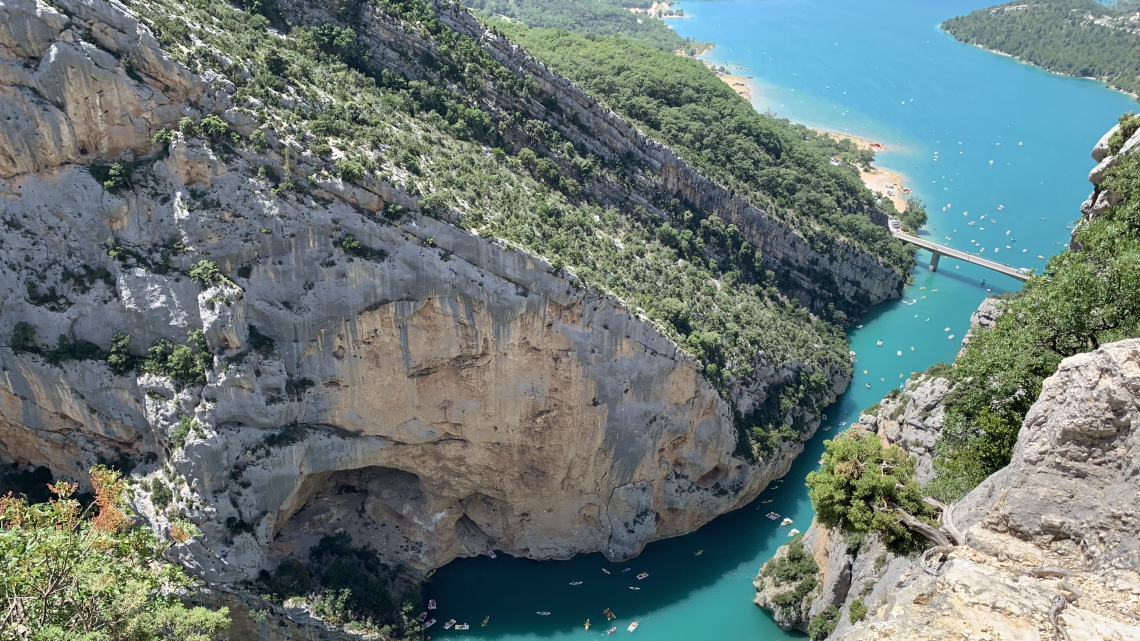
x=632 y=626
x=430 y=622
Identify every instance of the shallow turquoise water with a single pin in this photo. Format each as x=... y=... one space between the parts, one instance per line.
x=889 y=53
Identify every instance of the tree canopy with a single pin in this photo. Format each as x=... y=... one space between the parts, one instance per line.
x=864 y=487
x=90 y=574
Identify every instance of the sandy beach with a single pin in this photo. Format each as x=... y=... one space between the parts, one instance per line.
x=861 y=143
x=885 y=180
x=739 y=84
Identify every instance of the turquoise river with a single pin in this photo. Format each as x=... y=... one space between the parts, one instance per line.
x=883 y=70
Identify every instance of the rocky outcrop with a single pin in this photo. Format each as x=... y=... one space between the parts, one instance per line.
x=1102 y=198
x=1041 y=555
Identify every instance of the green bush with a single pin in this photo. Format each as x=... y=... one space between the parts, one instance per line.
x=354 y=247
x=23 y=338
x=118 y=177
x=823 y=624
x=857 y=611
x=350 y=170
x=184 y=364
x=435 y=205
x=187 y=127
x=119 y=359
x=160 y=494
x=206 y=274
x=67 y=350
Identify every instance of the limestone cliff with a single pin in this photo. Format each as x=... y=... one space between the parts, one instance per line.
x=436 y=394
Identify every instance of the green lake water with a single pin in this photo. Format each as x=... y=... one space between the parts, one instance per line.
x=880 y=69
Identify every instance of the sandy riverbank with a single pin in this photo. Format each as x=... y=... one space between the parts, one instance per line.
x=861 y=143
x=885 y=181
x=740 y=84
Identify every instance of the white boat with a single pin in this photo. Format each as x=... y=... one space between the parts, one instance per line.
x=431 y=604
x=429 y=623
x=447 y=626
x=423 y=617
x=462 y=626
x=491 y=553
x=642 y=575
x=611 y=630
x=786 y=521
x=632 y=626
x=793 y=532
x=575 y=583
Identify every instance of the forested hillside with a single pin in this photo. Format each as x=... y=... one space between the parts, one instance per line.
x=602 y=17
x=783 y=167
x=1074 y=37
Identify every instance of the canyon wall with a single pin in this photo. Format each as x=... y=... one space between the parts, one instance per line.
x=441 y=396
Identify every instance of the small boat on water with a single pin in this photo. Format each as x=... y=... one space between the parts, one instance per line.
x=491 y=553
x=627 y=569
x=633 y=588
x=698 y=552
x=605 y=570
x=543 y=613
x=431 y=604
x=772 y=515
x=587 y=624
x=793 y=532
x=609 y=614
x=880 y=341
x=632 y=626
x=428 y=575
x=575 y=583
x=786 y=521
x=430 y=622
x=447 y=626
x=642 y=575
x=485 y=621
x=766 y=501
x=462 y=626
x=826 y=427
x=611 y=630
x=423 y=617
x=858 y=327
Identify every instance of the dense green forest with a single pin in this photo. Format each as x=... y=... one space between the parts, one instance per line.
x=601 y=17
x=1060 y=35
x=782 y=167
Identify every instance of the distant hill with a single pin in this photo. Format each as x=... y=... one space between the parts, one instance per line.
x=635 y=19
x=1074 y=37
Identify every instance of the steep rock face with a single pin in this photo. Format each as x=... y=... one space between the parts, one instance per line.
x=840 y=274
x=446 y=397
x=1066 y=501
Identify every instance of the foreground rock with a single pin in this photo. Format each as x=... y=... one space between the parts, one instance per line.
x=1054 y=532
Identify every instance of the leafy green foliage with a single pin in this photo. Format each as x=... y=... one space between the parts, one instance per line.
x=23 y=338
x=206 y=273
x=119 y=358
x=797 y=569
x=184 y=364
x=354 y=247
x=118 y=177
x=179 y=434
x=856 y=611
x=1060 y=35
x=1088 y=296
x=68 y=350
x=914 y=216
x=601 y=17
x=823 y=624
x=860 y=485
x=74 y=573
x=1129 y=124
x=160 y=493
